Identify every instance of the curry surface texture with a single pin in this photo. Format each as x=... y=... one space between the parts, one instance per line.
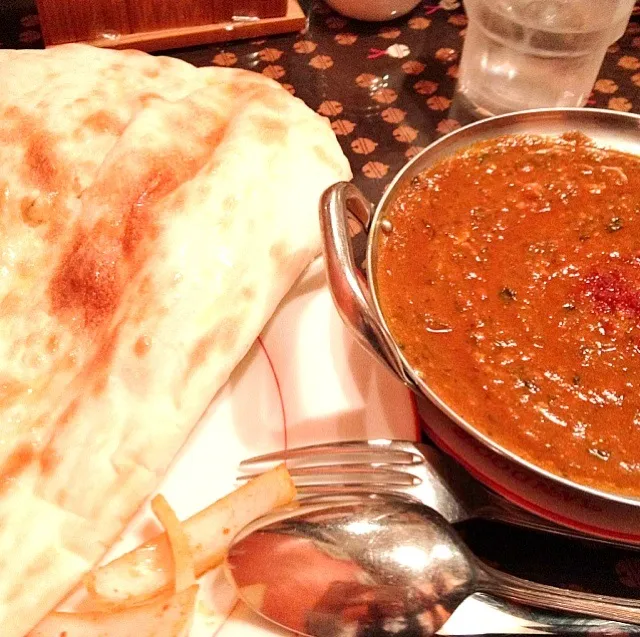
x=510 y=278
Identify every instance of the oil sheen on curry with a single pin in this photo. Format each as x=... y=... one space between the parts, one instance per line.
x=509 y=275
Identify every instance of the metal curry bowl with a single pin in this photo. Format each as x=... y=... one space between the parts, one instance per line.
x=355 y=292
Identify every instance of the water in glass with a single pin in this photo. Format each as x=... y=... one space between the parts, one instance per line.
x=521 y=54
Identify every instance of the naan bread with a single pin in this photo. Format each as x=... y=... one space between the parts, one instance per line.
x=152 y=216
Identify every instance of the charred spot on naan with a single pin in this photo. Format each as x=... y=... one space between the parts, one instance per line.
x=12 y=112
x=221 y=338
x=91 y=277
x=4 y=195
x=43 y=169
x=10 y=303
x=48 y=456
x=272 y=130
x=14 y=465
x=248 y=293
x=281 y=255
x=16 y=590
x=43 y=165
x=234 y=91
x=68 y=414
x=99 y=366
x=37 y=567
x=49 y=460
x=146 y=98
x=104 y=121
x=230 y=204
x=32 y=211
x=276 y=99
x=53 y=344
x=11 y=390
x=88 y=282
x=44 y=208
x=142 y=345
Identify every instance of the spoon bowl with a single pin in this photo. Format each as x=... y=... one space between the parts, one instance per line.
x=377 y=566
x=361 y=566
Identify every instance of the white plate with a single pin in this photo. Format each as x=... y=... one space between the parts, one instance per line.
x=304 y=381
x=531 y=491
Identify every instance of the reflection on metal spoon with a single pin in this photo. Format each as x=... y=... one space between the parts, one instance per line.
x=376 y=567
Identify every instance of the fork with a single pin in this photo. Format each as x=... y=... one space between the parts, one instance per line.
x=401 y=467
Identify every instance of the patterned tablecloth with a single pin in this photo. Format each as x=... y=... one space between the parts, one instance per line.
x=388 y=90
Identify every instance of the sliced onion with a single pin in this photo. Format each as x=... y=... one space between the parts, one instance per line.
x=148 y=570
x=180 y=550
x=165 y=616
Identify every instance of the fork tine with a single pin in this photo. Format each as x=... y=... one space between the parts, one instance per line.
x=386 y=451
x=369 y=462
x=348 y=469
x=313 y=469
x=350 y=475
x=311 y=491
x=335 y=447
x=381 y=478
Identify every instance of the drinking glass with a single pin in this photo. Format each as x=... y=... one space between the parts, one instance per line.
x=522 y=54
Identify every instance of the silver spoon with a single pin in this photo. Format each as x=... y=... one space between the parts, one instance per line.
x=378 y=566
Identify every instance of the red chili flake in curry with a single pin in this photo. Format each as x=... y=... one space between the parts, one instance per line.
x=511 y=280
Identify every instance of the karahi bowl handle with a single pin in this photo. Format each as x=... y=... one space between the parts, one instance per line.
x=351 y=295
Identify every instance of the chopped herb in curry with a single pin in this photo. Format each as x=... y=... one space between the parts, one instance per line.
x=512 y=279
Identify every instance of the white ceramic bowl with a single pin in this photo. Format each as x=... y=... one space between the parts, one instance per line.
x=373 y=10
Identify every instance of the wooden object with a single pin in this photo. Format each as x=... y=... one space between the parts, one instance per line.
x=73 y=20
x=152 y=25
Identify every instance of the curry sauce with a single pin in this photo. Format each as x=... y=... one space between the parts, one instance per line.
x=509 y=274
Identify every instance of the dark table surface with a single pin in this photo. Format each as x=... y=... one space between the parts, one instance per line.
x=388 y=90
